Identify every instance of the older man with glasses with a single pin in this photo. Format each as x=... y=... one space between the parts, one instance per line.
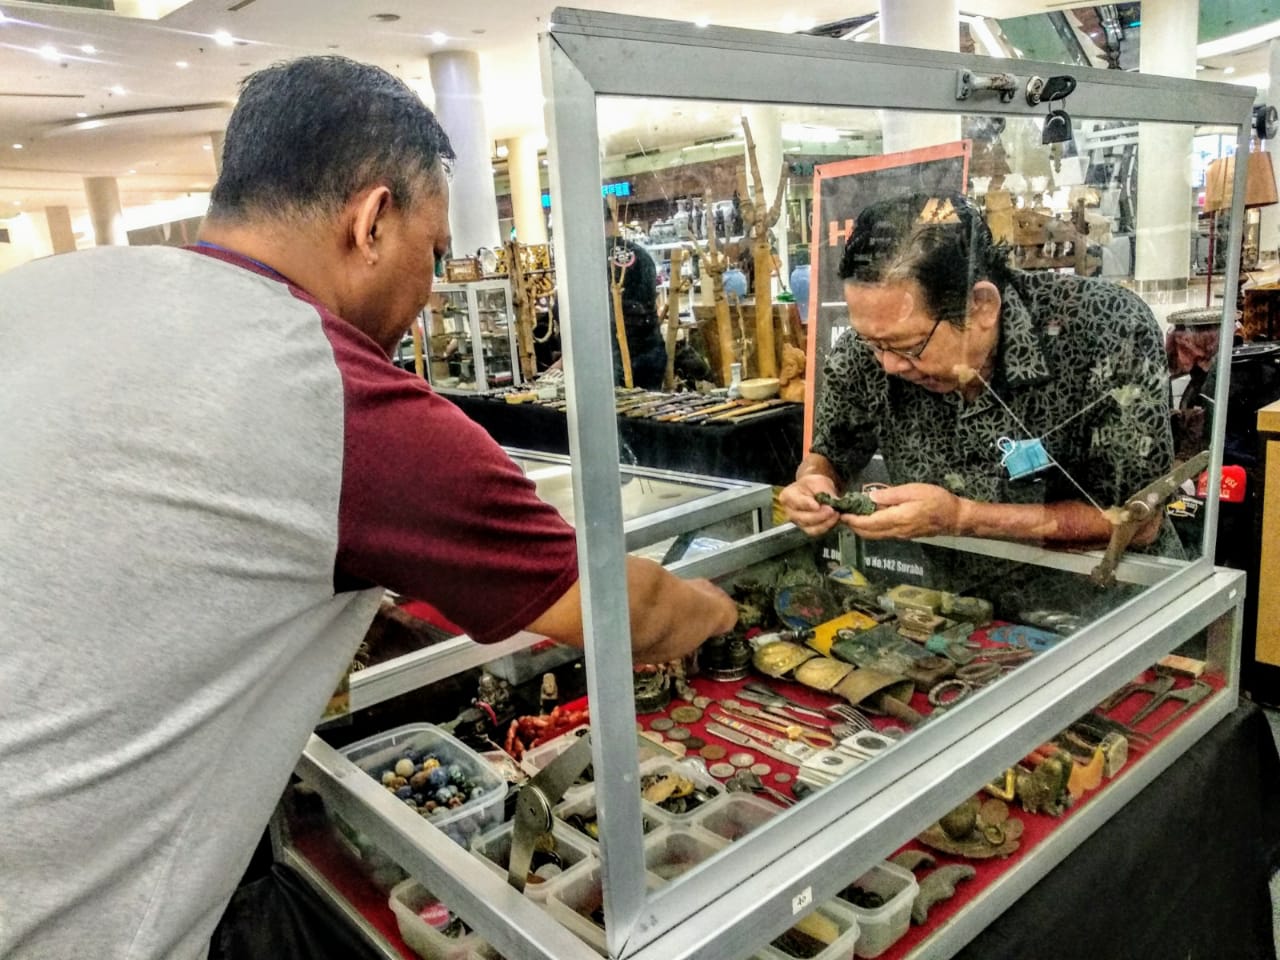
x=1006 y=404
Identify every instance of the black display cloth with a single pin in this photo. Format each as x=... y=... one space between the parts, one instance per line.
x=1181 y=871
x=766 y=449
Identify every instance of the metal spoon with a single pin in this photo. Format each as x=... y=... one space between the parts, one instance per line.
x=745 y=780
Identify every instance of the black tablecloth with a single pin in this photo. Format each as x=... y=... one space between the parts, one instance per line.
x=766 y=449
x=1180 y=873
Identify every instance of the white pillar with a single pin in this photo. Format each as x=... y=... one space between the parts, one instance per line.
x=526 y=189
x=103 y=194
x=766 y=131
x=931 y=25
x=62 y=237
x=1269 y=240
x=473 y=205
x=1165 y=219
x=216 y=140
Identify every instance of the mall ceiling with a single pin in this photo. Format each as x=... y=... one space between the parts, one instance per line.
x=87 y=91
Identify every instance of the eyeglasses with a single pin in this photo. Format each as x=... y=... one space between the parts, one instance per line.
x=913 y=354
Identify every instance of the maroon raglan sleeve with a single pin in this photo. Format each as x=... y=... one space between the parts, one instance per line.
x=431 y=506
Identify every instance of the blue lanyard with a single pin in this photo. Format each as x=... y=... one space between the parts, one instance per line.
x=257 y=263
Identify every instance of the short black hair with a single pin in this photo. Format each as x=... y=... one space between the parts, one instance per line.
x=941 y=242
x=307 y=134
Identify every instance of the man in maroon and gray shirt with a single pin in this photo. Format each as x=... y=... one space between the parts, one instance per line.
x=201 y=512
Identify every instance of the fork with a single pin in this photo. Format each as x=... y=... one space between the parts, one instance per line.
x=856 y=719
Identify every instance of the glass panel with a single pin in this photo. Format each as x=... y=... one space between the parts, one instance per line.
x=998 y=342
x=449 y=339
x=494 y=314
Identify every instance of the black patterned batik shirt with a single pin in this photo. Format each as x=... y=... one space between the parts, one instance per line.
x=1080 y=363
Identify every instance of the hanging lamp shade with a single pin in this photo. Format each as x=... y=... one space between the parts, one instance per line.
x=1260 y=182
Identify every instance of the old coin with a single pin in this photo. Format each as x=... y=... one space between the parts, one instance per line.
x=702 y=702
x=713 y=751
x=742 y=759
x=695 y=743
x=761 y=769
x=686 y=714
x=678 y=733
x=782 y=776
x=722 y=770
x=661 y=723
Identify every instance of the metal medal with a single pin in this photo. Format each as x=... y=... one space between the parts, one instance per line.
x=742 y=759
x=686 y=714
x=761 y=769
x=782 y=776
x=722 y=770
x=713 y=751
x=661 y=723
x=678 y=733
x=695 y=743
x=702 y=702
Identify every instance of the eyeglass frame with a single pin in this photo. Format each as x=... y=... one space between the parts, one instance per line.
x=913 y=355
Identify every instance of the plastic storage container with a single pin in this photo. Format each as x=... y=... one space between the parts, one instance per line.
x=692 y=769
x=838 y=912
x=494 y=848
x=881 y=927
x=733 y=815
x=407 y=899
x=585 y=805
x=576 y=895
x=376 y=753
x=676 y=848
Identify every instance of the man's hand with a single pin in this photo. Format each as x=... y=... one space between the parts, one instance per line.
x=909 y=511
x=803 y=510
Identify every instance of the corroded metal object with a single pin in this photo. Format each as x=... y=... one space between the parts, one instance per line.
x=652 y=691
x=1045 y=789
x=856 y=503
x=822 y=673
x=992 y=832
x=914 y=860
x=939 y=885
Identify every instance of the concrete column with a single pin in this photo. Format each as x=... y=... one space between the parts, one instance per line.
x=473 y=205
x=216 y=140
x=526 y=189
x=1269 y=239
x=766 y=131
x=931 y=25
x=105 y=211
x=1165 y=219
x=61 y=236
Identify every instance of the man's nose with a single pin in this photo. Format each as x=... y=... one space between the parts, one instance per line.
x=894 y=364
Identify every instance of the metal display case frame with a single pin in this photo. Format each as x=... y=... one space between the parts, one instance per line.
x=754 y=890
x=480 y=359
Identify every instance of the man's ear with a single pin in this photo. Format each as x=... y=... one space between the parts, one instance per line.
x=984 y=304
x=366 y=216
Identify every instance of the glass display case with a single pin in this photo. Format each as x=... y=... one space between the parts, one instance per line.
x=471 y=337
x=1046 y=395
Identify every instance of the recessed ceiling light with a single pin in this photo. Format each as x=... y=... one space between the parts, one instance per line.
x=1200 y=66
x=208 y=146
x=502 y=151
x=17 y=146
x=17 y=203
x=439 y=39
x=702 y=21
x=88 y=48
x=50 y=52
x=133 y=171
x=222 y=38
x=182 y=64
x=81 y=114
x=118 y=91
x=1229 y=70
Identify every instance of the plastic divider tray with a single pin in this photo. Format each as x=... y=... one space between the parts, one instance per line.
x=493 y=848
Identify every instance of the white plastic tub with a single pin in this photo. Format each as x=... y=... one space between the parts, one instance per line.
x=838 y=912
x=882 y=927
x=493 y=848
x=410 y=897
x=675 y=849
x=733 y=815
x=578 y=893
x=584 y=804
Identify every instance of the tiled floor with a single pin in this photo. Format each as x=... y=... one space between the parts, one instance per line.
x=1273 y=717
